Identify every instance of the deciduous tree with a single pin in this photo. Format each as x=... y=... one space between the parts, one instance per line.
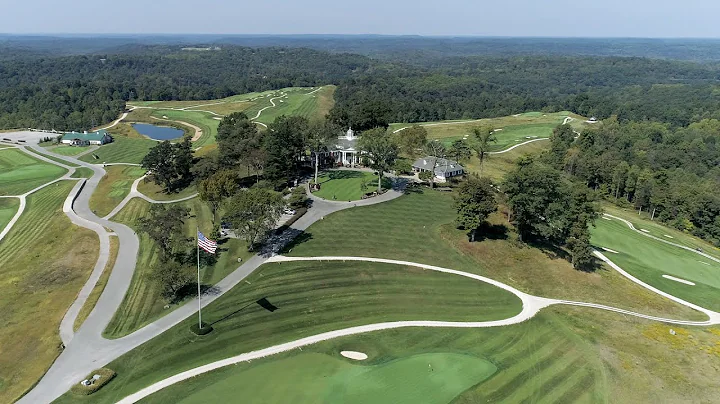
x=253 y=213
x=474 y=202
x=380 y=150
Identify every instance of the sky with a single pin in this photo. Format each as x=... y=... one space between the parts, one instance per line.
x=559 y=18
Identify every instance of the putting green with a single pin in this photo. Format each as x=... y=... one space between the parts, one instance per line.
x=319 y=378
x=649 y=259
x=20 y=172
x=347 y=185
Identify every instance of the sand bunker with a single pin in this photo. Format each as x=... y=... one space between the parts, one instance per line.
x=669 y=236
x=610 y=251
x=358 y=356
x=672 y=278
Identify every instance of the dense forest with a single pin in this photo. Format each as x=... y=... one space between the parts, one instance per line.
x=81 y=91
x=671 y=173
x=78 y=92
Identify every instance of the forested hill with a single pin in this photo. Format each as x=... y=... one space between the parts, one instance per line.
x=673 y=173
x=78 y=92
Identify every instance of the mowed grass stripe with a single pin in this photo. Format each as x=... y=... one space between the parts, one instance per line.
x=536 y=379
x=561 y=382
x=44 y=261
x=34 y=219
x=505 y=383
x=121 y=150
x=20 y=172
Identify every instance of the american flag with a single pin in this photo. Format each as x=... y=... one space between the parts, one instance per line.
x=206 y=244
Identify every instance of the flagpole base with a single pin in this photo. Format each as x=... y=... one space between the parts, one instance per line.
x=204 y=330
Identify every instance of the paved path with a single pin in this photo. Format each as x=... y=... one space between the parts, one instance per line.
x=272 y=101
x=87 y=348
x=518 y=145
x=531 y=306
x=23 y=197
x=134 y=193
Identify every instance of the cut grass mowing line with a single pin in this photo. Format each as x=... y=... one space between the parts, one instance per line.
x=21 y=173
x=121 y=150
x=312 y=297
x=44 y=261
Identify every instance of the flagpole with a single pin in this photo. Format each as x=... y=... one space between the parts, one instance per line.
x=197 y=236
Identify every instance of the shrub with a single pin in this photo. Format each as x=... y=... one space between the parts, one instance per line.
x=105 y=376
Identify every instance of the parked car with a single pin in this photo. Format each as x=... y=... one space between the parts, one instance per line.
x=289 y=211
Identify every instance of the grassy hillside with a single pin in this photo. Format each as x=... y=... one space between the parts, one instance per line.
x=143 y=302
x=113 y=188
x=44 y=261
x=510 y=130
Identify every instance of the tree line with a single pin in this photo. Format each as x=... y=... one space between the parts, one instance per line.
x=79 y=92
x=671 y=173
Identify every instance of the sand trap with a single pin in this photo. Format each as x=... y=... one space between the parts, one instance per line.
x=610 y=251
x=645 y=231
x=358 y=356
x=672 y=278
x=668 y=236
x=217 y=118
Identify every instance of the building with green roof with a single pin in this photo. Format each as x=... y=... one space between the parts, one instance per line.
x=85 y=139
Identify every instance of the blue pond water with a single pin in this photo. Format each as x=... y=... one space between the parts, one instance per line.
x=157 y=132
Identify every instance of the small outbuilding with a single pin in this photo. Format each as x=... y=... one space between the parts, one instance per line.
x=100 y=137
x=443 y=168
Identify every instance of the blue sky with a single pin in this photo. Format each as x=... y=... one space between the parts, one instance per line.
x=575 y=18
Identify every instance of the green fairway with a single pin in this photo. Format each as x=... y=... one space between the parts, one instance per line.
x=348 y=185
x=121 y=150
x=657 y=229
x=205 y=114
x=8 y=208
x=20 y=172
x=510 y=130
x=310 y=297
x=44 y=261
x=113 y=188
x=143 y=303
x=649 y=259
x=69 y=150
x=315 y=378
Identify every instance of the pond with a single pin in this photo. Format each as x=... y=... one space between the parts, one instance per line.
x=158 y=132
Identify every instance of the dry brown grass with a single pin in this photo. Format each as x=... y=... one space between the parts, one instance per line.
x=645 y=363
x=44 y=262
